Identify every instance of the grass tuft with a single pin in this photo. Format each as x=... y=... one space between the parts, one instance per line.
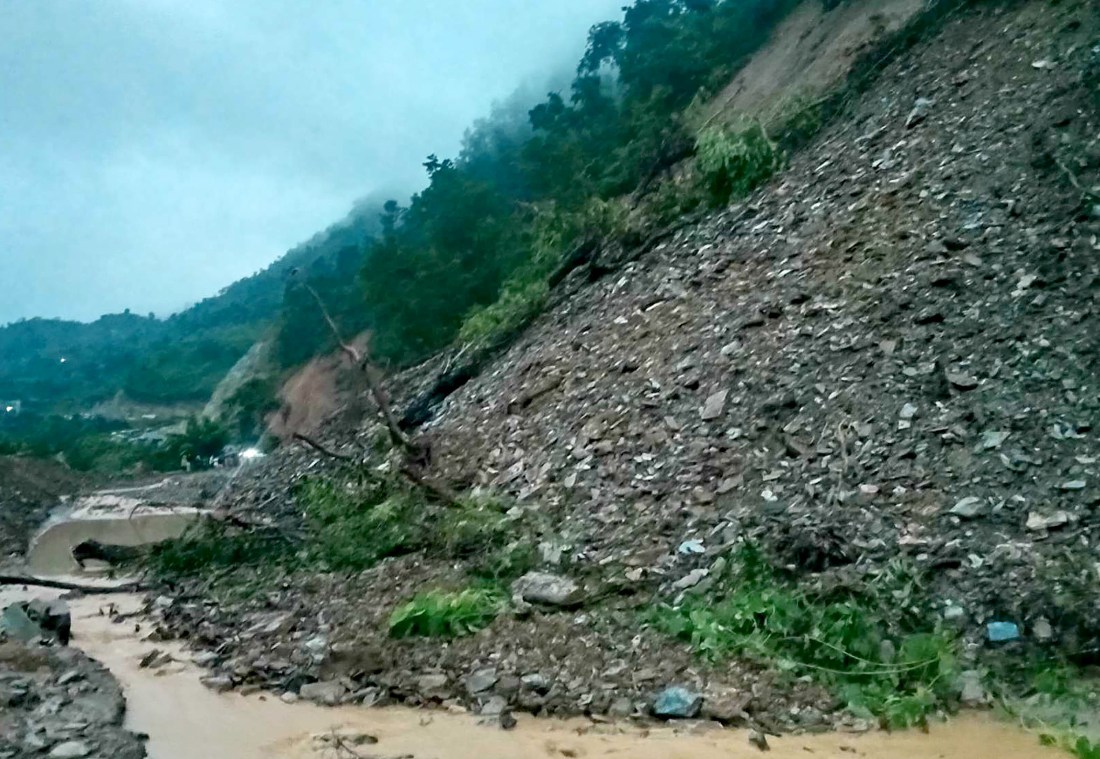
x=443 y=614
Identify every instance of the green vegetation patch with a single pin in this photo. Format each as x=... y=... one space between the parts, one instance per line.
x=735 y=161
x=212 y=546
x=445 y=614
x=871 y=647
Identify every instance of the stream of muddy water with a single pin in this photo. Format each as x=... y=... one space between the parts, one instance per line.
x=185 y=720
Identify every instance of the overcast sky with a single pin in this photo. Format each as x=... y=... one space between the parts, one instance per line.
x=153 y=151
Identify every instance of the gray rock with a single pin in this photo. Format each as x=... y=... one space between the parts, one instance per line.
x=494 y=707
x=919 y=113
x=431 y=683
x=969 y=507
x=691 y=579
x=327 y=693
x=536 y=681
x=218 y=683
x=971 y=690
x=714 y=405
x=621 y=708
x=481 y=681
x=18 y=625
x=1037 y=521
x=547 y=589
x=70 y=750
x=725 y=704
x=1042 y=631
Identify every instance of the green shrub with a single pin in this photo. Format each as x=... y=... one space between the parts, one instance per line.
x=733 y=162
x=501 y=565
x=210 y=545
x=465 y=532
x=442 y=614
x=352 y=526
x=882 y=666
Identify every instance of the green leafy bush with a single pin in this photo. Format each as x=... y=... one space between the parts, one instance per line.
x=352 y=526
x=886 y=666
x=442 y=614
x=211 y=546
x=733 y=162
x=501 y=565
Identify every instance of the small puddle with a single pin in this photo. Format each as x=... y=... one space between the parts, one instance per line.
x=185 y=720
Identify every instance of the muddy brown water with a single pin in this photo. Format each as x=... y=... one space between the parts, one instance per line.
x=185 y=720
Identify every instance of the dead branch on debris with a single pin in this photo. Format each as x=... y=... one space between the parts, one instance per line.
x=41 y=582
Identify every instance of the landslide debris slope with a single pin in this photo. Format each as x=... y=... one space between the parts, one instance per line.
x=890 y=353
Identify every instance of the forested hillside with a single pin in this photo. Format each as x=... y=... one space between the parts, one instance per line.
x=539 y=185
x=55 y=365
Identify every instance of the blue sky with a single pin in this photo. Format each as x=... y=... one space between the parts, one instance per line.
x=153 y=151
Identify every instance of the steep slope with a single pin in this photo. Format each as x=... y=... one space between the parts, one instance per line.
x=888 y=353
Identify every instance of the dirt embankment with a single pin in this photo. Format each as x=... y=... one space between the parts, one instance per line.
x=891 y=351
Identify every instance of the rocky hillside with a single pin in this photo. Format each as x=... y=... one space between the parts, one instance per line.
x=888 y=355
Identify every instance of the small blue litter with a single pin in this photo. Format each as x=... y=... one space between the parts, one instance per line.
x=691 y=546
x=1002 y=632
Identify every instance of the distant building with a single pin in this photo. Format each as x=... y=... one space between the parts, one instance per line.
x=11 y=407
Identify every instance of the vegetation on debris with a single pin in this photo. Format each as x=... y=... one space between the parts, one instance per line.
x=874 y=645
x=446 y=614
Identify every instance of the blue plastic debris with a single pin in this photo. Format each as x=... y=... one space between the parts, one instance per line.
x=691 y=546
x=1002 y=632
x=677 y=702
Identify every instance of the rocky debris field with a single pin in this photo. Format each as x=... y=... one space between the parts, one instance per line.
x=28 y=490
x=55 y=701
x=891 y=352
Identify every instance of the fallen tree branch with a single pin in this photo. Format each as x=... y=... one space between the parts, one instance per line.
x=374 y=385
x=322 y=449
x=42 y=582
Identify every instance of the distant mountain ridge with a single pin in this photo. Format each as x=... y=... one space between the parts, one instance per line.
x=66 y=366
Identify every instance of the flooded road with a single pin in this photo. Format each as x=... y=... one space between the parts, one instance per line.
x=186 y=720
x=108 y=518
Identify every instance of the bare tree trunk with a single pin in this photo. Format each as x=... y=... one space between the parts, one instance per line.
x=129 y=587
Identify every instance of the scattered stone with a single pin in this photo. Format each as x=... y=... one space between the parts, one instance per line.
x=919 y=113
x=494 y=707
x=621 y=708
x=70 y=750
x=691 y=579
x=1074 y=485
x=481 y=681
x=507 y=720
x=969 y=507
x=971 y=690
x=1042 y=631
x=327 y=693
x=548 y=589
x=993 y=439
x=714 y=406
x=1038 y=521
x=759 y=740
x=961 y=381
x=217 y=683
x=678 y=703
